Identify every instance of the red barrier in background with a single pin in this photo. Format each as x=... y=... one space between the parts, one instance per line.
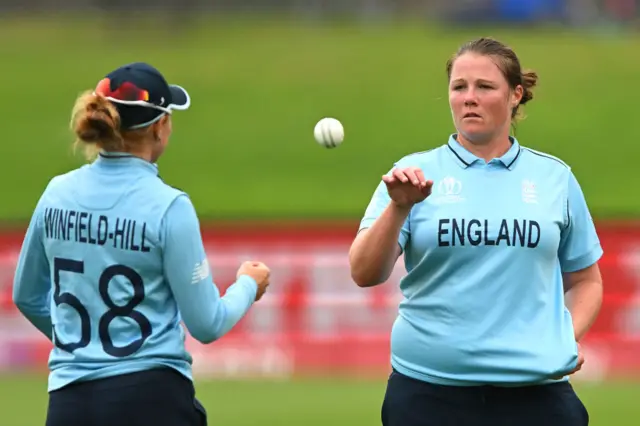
x=314 y=319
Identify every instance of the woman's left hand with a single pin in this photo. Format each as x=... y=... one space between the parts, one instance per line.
x=578 y=366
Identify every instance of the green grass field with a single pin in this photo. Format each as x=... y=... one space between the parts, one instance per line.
x=302 y=402
x=245 y=149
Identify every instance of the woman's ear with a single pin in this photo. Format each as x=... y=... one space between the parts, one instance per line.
x=158 y=126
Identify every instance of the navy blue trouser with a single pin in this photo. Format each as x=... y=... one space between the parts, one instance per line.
x=161 y=397
x=410 y=402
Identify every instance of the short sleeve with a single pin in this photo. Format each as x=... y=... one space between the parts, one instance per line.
x=378 y=203
x=579 y=243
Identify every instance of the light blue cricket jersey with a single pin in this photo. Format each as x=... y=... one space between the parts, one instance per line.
x=112 y=261
x=484 y=253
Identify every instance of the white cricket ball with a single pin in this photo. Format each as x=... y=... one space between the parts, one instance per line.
x=329 y=132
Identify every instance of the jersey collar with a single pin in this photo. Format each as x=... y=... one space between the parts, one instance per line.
x=115 y=160
x=465 y=158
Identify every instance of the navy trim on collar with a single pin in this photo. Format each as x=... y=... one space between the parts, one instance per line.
x=466 y=158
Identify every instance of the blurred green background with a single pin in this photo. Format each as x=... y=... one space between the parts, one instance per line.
x=317 y=402
x=245 y=149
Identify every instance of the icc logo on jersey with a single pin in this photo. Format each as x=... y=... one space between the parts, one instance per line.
x=448 y=191
x=450 y=186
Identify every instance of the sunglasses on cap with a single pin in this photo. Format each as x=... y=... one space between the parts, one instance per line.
x=127 y=94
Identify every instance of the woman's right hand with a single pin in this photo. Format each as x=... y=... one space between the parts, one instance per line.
x=407 y=186
x=259 y=272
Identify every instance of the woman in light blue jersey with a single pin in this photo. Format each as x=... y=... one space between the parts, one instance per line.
x=113 y=264
x=501 y=257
